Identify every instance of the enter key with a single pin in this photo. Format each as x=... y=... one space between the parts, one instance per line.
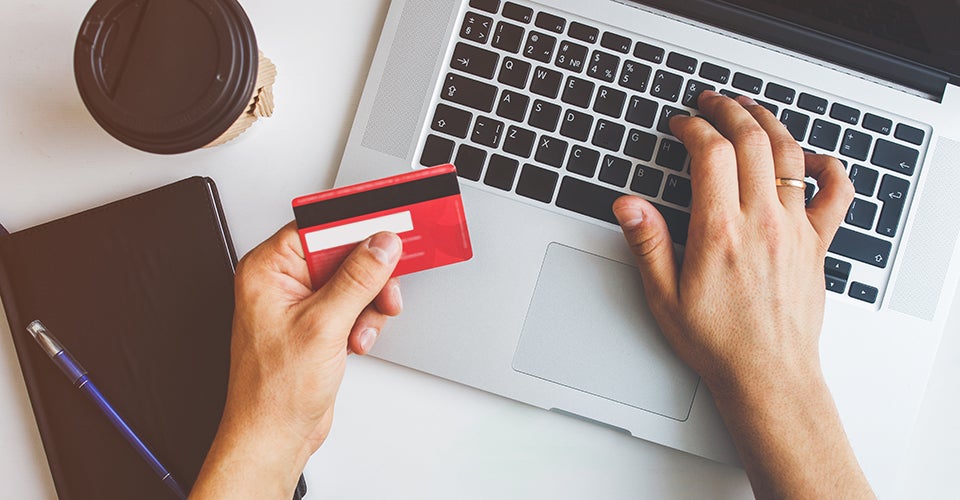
x=893 y=194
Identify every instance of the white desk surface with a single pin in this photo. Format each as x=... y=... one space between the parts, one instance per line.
x=398 y=433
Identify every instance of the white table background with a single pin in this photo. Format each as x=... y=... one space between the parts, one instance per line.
x=398 y=433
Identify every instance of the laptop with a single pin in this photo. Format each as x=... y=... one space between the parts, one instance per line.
x=552 y=110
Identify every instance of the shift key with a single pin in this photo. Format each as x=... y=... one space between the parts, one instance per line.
x=861 y=247
x=468 y=92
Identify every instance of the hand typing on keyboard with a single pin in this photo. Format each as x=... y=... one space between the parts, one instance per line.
x=745 y=309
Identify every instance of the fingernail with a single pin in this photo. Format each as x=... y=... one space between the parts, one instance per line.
x=385 y=247
x=709 y=93
x=367 y=338
x=397 y=297
x=629 y=217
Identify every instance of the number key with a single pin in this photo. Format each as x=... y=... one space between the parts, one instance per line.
x=667 y=86
x=603 y=66
x=540 y=46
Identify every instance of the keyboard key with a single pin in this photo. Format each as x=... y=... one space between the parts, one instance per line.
x=517 y=12
x=715 y=73
x=453 y=121
x=835 y=285
x=576 y=125
x=551 y=151
x=642 y=111
x=812 y=103
x=571 y=56
x=691 y=93
x=666 y=114
x=856 y=144
x=609 y=135
x=615 y=171
x=583 y=161
x=551 y=22
x=519 y=141
x=610 y=102
x=677 y=191
x=682 y=62
x=474 y=60
x=546 y=82
x=513 y=105
x=635 y=76
x=604 y=66
x=863 y=292
x=837 y=268
x=578 y=92
x=808 y=192
x=672 y=155
x=729 y=93
x=862 y=248
x=648 y=52
x=667 y=86
x=864 y=179
x=583 y=32
x=487 y=132
x=895 y=157
x=780 y=93
x=845 y=113
x=436 y=151
x=476 y=27
x=640 y=145
x=514 y=72
x=500 y=172
x=861 y=214
x=468 y=92
x=893 y=195
x=796 y=122
x=824 y=135
x=616 y=42
x=539 y=46
x=772 y=108
x=647 y=181
x=508 y=37
x=747 y=83
x=469 y=162
x=877 y=124
x=491 y=6
x=910 y=134
x=537 y=183
x=544 y=115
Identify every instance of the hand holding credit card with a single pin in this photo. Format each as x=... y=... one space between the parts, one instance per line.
x=423 y=207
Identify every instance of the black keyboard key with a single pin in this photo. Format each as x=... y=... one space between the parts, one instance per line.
x=747 y=83
x=863 y=292
x=893 y=195
x=835 y=285
x=910 y=134
x=539 y=46
x=501 y=171
x=603 y=66
x=860 y=247
x=517 y=12
x=537 y=183
x=813 y=104
x=729 y=93
x=469 y=162
x=824 y=135
x=546 y=82
x=571 y=56
x=682 y=62
x=647 y=181
x=691 y=93
x=715 y=73
x=861 y=214
x=635 y=76
x=508 y=37
x=677 y=191
x=474 y=60
x=453 y=121
x=640 y=145
x=610 y=102
x=576 y=125
x=666 y=114
x=780 y=93
x=436 y=151
x=551 y=22
x=877 y=124
x=513 y=105
x=837 y=268
x=672 y=155
x=772 y=108
x=845 y=113
x=551 y=151
x=808 y=192
x=615 y=42
x=642 y=111
x=468 y=92
x=895 y=157
x=514 y=72
x=615 y=171
x=856 y=144
x=578 y=92
x=519 y=141
x=648 y=52
x=583 y=32
x=544 y=115
x=864 y=179
x=796 y=123
x=609 y=135
x=487 y=132
x=491 y=6
x=583 y=161
x=667 y=86
x=476 y=27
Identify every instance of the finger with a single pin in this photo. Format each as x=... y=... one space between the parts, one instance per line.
x=788 y=157
x=829 y=206
x=389 y=301
x=752 y=146
x=649 y=239
x=713 y=165
x=366 y=330
x=282 y=253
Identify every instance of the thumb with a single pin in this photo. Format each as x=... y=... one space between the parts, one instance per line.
x=649 y=239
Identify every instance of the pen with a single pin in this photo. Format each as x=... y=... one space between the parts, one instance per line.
x=78 y=376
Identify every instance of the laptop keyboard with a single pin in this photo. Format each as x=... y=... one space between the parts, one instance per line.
x=570 y=115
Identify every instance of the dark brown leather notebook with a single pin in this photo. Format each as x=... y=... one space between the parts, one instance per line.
x=141 y=293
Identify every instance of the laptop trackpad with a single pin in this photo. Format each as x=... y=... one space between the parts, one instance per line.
x=589 y=328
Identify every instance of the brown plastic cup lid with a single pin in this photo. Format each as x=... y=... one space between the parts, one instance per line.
x=166 y=76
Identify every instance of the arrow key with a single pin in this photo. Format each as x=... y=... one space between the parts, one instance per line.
x=893 y=194
x=863 y=292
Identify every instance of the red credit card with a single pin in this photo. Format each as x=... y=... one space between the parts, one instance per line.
x=423 y=207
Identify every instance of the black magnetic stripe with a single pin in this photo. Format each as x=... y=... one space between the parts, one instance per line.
x=377 y=200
